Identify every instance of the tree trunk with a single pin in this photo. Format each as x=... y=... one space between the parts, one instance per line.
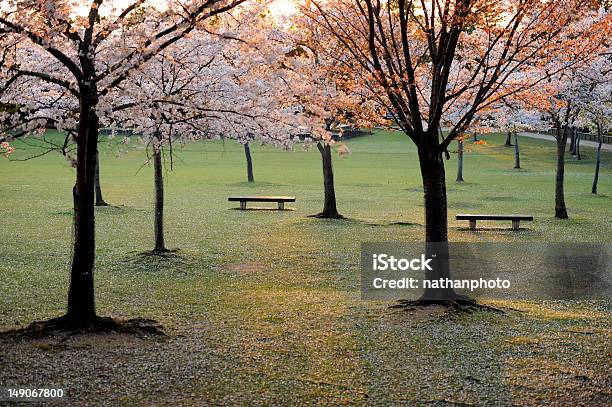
x=329 y=206
x=459 y=160
x=436 y=225
x=572 y=147
x=434 y=188
x=508 y=139
x=560 y=208
x=597 y=160
x=81 y=311
x=159 y=200
x=249 y=160
x=99 y=199
x=475 y=137
x=517 y=153
x=577 y=148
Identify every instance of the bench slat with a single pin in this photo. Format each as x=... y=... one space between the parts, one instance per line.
x=493 y=217
x=262 y=198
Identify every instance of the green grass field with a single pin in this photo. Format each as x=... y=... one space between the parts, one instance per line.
x=263 y=307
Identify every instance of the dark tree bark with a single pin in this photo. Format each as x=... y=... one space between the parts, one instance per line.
x=475 y=137
x=99 y=199
x=517 y=152
x=508 y=139
x=572 y=146
x=597 y=160
x=436 y=224
x=560 y=208
x=81 y=311
x=459 y=160
x=434 y=189
x=249 y=160
x=160 y=246
x=329 y=206
x=576 y=134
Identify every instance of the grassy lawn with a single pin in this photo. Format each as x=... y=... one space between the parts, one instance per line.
x=263 y=307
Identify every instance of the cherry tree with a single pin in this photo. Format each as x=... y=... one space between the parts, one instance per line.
x=95 y=45
x=326 y=108
x=593 y=96
x=557 y=100
x=154 y=103
x=422 y=57
x=214 y=85
x=328 y=93
x=418 y=58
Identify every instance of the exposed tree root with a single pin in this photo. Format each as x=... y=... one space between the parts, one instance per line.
x=443 y=402
x=65 y=327
x=401 y=223
x=102 y=203
x=463 y=304
x=324 y=215
x=161 y=252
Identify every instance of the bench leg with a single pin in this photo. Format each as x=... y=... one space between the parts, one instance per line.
x=281 y=206
x=242 y=205
x=515 y=224
x=473 y=224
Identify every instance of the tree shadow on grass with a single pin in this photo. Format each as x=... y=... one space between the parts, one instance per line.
x=449 y=188
x=464 y=205
x=505 y=231
x=119 y=209
x=393 y=223
x=256 y=184
x=166 y=253
x=62 y=213
x=155 y=261
x=263 y=208
x=366 y=222
x=321 y=215
x=462 y=183
x=60 y=327
x=108 y=209
x=500 y=198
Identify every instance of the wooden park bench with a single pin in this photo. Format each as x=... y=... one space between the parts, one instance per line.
x=279 y=199
x=516 y=219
